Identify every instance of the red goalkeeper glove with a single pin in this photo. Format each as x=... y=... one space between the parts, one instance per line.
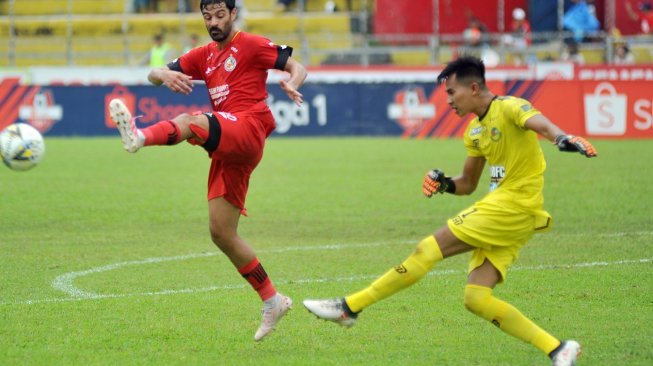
x=436 y=182
x=574 y=143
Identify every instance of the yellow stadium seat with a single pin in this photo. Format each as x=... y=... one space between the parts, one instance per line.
x=53 y=7
x=411 y=58
x=593 y=56
x=643 y=54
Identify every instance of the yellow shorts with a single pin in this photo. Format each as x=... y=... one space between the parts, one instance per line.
x=497 y=232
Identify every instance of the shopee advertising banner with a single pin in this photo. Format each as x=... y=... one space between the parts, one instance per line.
x=610 y=109
x=364 y=107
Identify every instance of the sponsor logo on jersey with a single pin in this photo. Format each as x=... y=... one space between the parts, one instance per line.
x=219 y=93
x=497 y=173
x=230 y=63
x=475 y=131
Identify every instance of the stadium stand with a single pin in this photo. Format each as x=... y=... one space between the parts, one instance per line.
x=45 y=35
x=90 y=32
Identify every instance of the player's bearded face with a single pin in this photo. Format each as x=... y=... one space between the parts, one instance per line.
x=220 y=34
x=218 y=21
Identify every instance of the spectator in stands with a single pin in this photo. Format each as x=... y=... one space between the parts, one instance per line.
x=622 y=54
x=644 y=15
x=181 y=6
x=475 y=33
x=193 y=41
x=520 y=37
x=521 y=29
x=160 y=53
x=580 y=19
x=144 y=6
x=571 y=53
x=283 y=5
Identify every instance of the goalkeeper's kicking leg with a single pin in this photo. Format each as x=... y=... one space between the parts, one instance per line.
x=427 y=253
x=478 y=296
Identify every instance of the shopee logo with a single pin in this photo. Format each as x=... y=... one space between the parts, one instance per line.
x=153 y=112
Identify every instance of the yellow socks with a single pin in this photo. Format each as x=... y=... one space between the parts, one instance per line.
x=410 y=271
x=479 y=300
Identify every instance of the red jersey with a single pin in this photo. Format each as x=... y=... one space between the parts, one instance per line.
x=235 y=76
x=522 y=30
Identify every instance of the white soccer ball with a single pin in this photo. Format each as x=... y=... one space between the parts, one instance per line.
x=21 y=146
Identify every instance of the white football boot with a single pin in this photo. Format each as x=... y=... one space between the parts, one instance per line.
x=566 y=354
x=272 y=315
x=132 y=138
x=334 y=310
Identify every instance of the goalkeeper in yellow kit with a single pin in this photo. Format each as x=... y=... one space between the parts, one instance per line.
x=504 y=135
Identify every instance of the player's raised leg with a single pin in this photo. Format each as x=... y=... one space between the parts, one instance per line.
x=132 y=140
x=164 y=132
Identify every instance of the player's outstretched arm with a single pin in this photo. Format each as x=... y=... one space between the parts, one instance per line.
x=543 y=126
x=174 y=80
x=297 y=76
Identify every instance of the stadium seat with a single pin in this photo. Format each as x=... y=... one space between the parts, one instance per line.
x=38 y=36
x=643 y=53
x=411 y=57
x=53 y=7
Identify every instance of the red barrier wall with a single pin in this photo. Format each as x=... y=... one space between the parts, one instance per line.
x=610 y=109
x=416 y=16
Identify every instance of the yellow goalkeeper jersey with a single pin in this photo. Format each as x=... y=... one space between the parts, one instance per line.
x=513 y=153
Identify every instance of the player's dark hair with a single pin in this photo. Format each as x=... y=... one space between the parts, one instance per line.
x=466 y=69
x=231 y=4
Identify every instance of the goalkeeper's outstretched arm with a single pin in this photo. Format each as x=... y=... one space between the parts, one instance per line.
x=543 y=126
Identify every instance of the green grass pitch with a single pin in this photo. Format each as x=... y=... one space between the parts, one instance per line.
x=106 y=257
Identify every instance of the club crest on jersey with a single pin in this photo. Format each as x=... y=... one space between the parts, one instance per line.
x=230 y=63
x=495 y=134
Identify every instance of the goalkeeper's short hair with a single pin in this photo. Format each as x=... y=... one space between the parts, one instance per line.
x=466 y=69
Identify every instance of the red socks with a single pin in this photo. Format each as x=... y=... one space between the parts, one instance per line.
x=258 y=278
x=162 y=133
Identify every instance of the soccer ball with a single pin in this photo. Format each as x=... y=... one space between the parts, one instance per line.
x=21 y=146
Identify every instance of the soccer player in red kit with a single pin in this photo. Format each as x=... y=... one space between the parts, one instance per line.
x=234 y=67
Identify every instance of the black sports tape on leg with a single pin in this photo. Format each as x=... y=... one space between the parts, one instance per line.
x=215 y=133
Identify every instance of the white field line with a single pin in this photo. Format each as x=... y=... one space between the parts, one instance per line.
x=82 y=295
x=64 y=282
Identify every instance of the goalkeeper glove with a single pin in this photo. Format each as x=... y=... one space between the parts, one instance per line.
x=436 y=182
x=573 y=143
